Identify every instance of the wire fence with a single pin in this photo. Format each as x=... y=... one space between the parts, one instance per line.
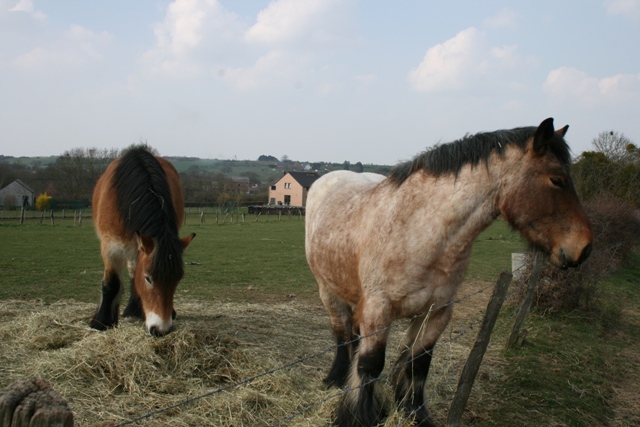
x=454 y=335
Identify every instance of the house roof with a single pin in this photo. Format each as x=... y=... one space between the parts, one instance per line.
x=305 y=179
x=21 y=182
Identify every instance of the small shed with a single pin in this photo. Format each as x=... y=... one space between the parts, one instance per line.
x=17 y=194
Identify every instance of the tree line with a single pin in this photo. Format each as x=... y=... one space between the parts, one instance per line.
x=611 y=168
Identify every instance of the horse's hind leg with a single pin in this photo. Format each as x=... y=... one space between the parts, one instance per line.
x=412 y=368
x=341 y=317
x=133 y=311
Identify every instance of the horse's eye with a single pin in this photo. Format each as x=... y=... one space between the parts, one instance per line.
x=147 y=279
x=558 y=182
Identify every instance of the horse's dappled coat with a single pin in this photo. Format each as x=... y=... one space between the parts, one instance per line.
x=388 y=248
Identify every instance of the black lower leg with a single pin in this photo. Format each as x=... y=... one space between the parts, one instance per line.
x=339 y=371
x=411 y=376
x=361 y=405
x=133 y=310
x=107 y=314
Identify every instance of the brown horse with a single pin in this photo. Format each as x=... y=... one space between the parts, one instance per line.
x=383 y=249
x=137 y=211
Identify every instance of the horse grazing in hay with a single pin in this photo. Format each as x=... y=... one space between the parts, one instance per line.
x=137 y=210
x=389 y=248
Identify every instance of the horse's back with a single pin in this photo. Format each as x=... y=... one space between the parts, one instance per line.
x=107 y=220
x=338 y=186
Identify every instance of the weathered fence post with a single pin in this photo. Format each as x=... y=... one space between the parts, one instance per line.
x=42 y=216
x=52 y=220
x=470 y=370
x=80 y=217
x=258 y=216
x=201 y=217
x=243 y=217
x=22 y=215
x=525 y=305
x=33 y=402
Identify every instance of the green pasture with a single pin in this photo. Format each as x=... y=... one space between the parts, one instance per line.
x=569 y=372
x=239 y=261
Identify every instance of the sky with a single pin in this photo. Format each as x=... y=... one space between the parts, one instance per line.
x=371 y=81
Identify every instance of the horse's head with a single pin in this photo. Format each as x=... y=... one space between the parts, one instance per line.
x=539 y=199
x=156 y=278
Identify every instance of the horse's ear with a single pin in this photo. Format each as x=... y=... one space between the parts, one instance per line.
x=563 y=131
x=543 y=137
x=145 y=244
x=186 y=240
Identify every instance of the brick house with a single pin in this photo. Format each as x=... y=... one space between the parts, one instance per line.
x=17 y=194
x=291 y=188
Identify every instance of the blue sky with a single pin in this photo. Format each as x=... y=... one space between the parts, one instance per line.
x=315 y=80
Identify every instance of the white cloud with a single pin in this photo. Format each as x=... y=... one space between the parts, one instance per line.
x=78 y=46
x=274 y=66
x=295 y=21
x=506 y=18
x=447 y=65
x=192 y=32
x=567 y=82
x=626 y=8
x=462 y=60
x=27 y=7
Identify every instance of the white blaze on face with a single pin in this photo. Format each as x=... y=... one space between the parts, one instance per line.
x=155 y=324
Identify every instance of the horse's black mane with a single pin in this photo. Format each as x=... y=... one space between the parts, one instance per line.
x=471 y=149
x=145 y=205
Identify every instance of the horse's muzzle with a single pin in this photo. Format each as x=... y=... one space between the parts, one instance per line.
x=566 y=262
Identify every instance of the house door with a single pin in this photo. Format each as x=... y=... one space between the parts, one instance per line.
x=287 y=200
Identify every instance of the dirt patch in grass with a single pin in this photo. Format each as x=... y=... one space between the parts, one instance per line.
x=626 y=397
x=118 y=375
x=237 y=355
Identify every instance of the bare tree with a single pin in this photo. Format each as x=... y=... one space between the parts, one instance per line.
x=617 y=147
x=76 y=171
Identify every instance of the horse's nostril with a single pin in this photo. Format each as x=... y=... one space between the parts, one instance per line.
x=585 y=253
x=155 y=331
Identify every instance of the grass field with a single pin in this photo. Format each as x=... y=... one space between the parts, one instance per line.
x=574 y=369
x=230 y=261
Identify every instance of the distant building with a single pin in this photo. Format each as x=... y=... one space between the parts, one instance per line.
x=291 y=189
x=17 y=194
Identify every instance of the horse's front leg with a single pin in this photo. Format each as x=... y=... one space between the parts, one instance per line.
x=106 y=315
x=361 y=405
x=412 y=368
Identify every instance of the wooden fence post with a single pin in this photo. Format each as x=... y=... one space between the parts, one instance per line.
x=22 y=215
x=201 y=217
x=42 y=216
x=470 y=370
x=525 y=305
x=80 y=217
x=52 y=220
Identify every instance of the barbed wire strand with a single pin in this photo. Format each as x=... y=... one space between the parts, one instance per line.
x=249 y=380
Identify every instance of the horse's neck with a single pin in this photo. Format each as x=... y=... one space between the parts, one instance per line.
x=452 y=210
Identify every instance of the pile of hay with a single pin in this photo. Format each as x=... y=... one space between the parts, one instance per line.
x=115 y=376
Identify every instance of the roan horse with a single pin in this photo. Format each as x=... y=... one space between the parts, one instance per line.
x=383 y=249
x=137 y=210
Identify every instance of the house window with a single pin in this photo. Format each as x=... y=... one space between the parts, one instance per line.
x=273 y=187
x=287 y=200
x=287 y=185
